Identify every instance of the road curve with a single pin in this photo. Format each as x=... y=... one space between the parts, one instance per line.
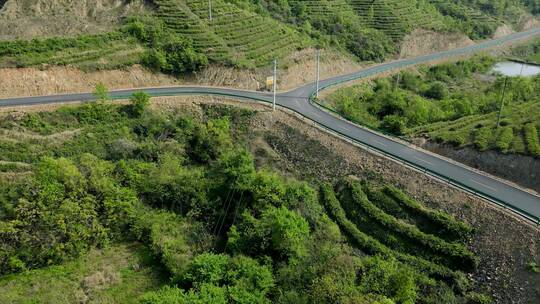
x=298 y=100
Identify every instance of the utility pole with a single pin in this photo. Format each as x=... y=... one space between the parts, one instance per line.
x=318 y=70
x=502 y=102
x=274 y=84
x=210 y=10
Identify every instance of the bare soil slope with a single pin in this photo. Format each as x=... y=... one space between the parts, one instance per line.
x=39 y=18
x=421 y=42
x=297 y=69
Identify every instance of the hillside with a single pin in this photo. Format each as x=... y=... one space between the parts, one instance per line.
x=246 y=34
x=204 y=187
x=38 y=18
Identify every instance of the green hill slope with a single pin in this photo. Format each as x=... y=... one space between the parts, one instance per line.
x=250 y=33
x=233 y=35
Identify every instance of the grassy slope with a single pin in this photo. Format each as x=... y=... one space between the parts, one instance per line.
x=233 y=35
x=118 y=274
x=245 y=34
x=481 y=131
x=467 y=116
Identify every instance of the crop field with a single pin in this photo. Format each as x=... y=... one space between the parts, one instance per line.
x=396 y=18
x=518 y=132
x=384 y=221
x=89 y=52
x=233 y=35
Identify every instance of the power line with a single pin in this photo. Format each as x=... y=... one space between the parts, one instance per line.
x=274 y=80
x=502 y=101
x=210 y=10
x=318 y=70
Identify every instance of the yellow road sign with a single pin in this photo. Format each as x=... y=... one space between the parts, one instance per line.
x=270 y=81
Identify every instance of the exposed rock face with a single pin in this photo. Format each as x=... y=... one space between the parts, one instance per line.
x=502 y=31
x=38 y=18
x=421 y=42
x=520 y=169
x=528 y=22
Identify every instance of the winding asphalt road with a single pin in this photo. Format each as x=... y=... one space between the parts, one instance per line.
x=298 y=100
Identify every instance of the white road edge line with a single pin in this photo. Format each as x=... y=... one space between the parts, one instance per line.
x=380 y=142
x=483 y=185
x=423 y=160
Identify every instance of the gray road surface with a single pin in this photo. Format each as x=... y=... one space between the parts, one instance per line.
x=298 y=100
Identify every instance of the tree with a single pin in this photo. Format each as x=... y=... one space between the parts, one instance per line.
x=155 y=60
x=279 y=232
x=245 y=280
x=101 y=92
x=394 y=124
x=389 y=278
x=437 y=90
x=139 y=102
x=211 y=140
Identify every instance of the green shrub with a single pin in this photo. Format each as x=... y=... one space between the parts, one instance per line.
x=457 y=254
x=394 y=124
x=482 y=138
x=437 y=90
x=139 y=102
x=531 y=139
x=441 y=222
x=371 y=246
x=505 y=138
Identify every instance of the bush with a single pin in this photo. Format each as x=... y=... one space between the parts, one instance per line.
x=101 y=92
x=371 y=246
x=457 y=254
x=244 y=279
x=390 y=278
x=370 y=45
x=139 y=102
x=394 y=124
x=505 y=138
x=531 y=139
x=279 y=232
x=437 y=90
x=169 y=52
x=482 y=138
x=155 y=60
x=181 y=57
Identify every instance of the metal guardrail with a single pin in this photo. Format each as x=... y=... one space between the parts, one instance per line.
x=373 y=71
x=455 y=183
x=400 y=65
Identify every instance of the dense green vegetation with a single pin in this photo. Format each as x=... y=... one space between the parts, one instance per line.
x=528 y=52
x=178 y=36
x=142 y=40
x=456 y=103
x=121 y=273
x=104 y=51
x=218 y=229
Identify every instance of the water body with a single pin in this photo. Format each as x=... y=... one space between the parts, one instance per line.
x=510 y=68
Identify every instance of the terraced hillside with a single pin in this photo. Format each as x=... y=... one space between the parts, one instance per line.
x=518 y=132
x=233 y=34
x=396 y=18
x=470 y=19
x=384 y=221
x=324 y=7
x=102 y=51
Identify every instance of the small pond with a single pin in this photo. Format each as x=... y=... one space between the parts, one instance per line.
x=510 y=68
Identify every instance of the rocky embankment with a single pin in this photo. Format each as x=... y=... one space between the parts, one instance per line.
x=520 y=169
